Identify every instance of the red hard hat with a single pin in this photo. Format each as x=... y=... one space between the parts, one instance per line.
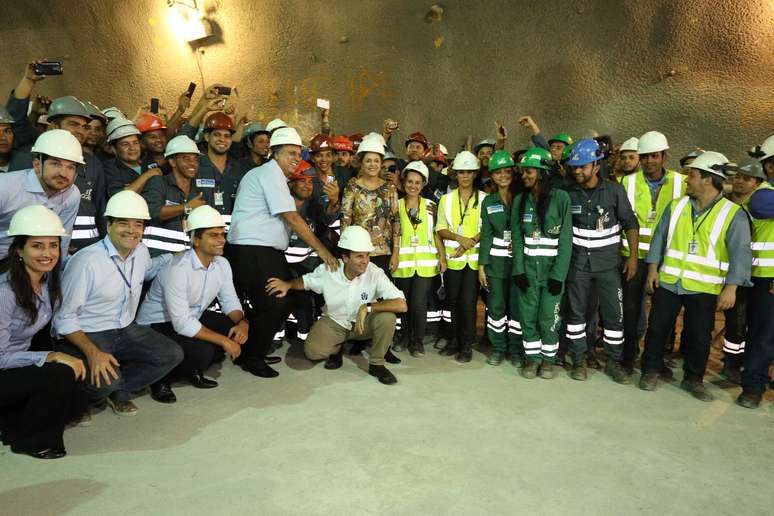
x=342 y=143
x=320 y=142
x=219 y=121
x=356 y=139
x=301 y=171
x=148 y=122
x=418 y=137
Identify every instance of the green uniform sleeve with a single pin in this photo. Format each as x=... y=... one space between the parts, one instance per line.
x=517 y=239
x=561 y=202
x=485 y=243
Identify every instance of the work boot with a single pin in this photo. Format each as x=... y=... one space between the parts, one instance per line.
x=649 y=381
x=450 y=349
x=417 y=348
x=382 y=374
x=440 y=343
x=628 y=365
x=732 y=373
x=591 y=360
x=750 y=400
x=465 y=354
x=578 y=371
x=547 y=370
x=400 y=343
x=335 y=361
x=697 y=389
x=614 y=370
x=496 y=358
x=530 y=369
x=517 y=359
x=666 y=374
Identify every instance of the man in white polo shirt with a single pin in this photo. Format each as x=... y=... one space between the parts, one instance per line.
x=351 y=310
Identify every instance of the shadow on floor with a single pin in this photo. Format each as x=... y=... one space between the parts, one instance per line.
x=38 y=499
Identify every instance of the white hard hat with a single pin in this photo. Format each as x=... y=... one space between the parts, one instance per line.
x=710 y=161
x=36 y=220
x=652 y=141
x=5 y=116
x=767 y=148
x=276 y=124
x=465 y=160
x=59 y=143
x=285 y=136
x=418 y=166
x=127 y=204
x=119 y=128
x=442 y=149
x=632 y=144
x=356 y=238
x=372 y=142
x=113 y=112
x=180 y=145
x=43 y=119
x=205 y=217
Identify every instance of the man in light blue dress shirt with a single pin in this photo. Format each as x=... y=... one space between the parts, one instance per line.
x=50 y=182
x=263 y=217
x=101 y=290
x=177 y=302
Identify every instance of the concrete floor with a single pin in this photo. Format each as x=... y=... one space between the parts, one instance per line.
x=448 y=439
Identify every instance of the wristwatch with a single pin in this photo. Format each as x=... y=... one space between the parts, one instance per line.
x=186 y=208
x=369 y=307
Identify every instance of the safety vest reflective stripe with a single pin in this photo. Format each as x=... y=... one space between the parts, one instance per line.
x=593 y=239
x=82 y=220
x=703 y=268
x=165 y=239
x=499 y=242
x=417 y=249
x=83 y=234
x=417 y=263
x=542 y=241
x=505 y=253
x=528 y=251
x=593 y=233
x=762 y=242
x=593 y=244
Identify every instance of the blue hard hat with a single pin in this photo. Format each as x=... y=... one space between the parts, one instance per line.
x=584 y=152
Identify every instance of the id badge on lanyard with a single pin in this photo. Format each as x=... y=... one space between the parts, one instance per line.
x=693 y=247
x=218 y=198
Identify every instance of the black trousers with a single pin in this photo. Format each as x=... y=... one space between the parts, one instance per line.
x=197 y=354
x=383 y=262
x=632 y=308
x=736 y=330
x=253 y=266
x=416 y=289
x=35 y=404
x=698 y=322
x=461 y=296
x=759 y=352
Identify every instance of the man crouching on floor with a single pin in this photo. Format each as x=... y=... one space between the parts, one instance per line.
x=351 y=310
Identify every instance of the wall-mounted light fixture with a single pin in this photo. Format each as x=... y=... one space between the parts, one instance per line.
x=188 y=20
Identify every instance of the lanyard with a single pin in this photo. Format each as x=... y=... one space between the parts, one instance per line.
x=463 y=213
x=123 y=276
x=703 y=218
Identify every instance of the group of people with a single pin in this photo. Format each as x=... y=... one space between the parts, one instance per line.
x=139 y=251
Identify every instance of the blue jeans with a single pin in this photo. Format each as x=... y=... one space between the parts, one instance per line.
x=145 y=355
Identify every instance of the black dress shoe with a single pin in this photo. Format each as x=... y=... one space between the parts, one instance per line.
x=334 y=361
x=697 y=389
x=162 y=392
x=260 y=369
x=47 y=454
x=272 y=360
x=390 y=358
x=382 y=374
x=199 y=381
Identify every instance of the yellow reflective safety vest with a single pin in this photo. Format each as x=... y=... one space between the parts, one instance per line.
x=762 y=240
x=450 y=206
x=698 y=257
x=418 y=254
x=648 y=213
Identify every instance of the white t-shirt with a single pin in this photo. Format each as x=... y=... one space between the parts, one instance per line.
x=343 y=298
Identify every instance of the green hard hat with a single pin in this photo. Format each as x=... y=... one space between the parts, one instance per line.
x=567 y=151
x=750 y=167
x=536 y=157
x=69 y=105
x=561 y=137
x=500 y=159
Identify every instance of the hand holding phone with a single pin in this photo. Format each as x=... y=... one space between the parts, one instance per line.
x=46 y=68
x=191 y=89
x=154 y=105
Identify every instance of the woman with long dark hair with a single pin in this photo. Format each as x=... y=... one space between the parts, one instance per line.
x=37 y=388
x=542 y=247
x=494 y=262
